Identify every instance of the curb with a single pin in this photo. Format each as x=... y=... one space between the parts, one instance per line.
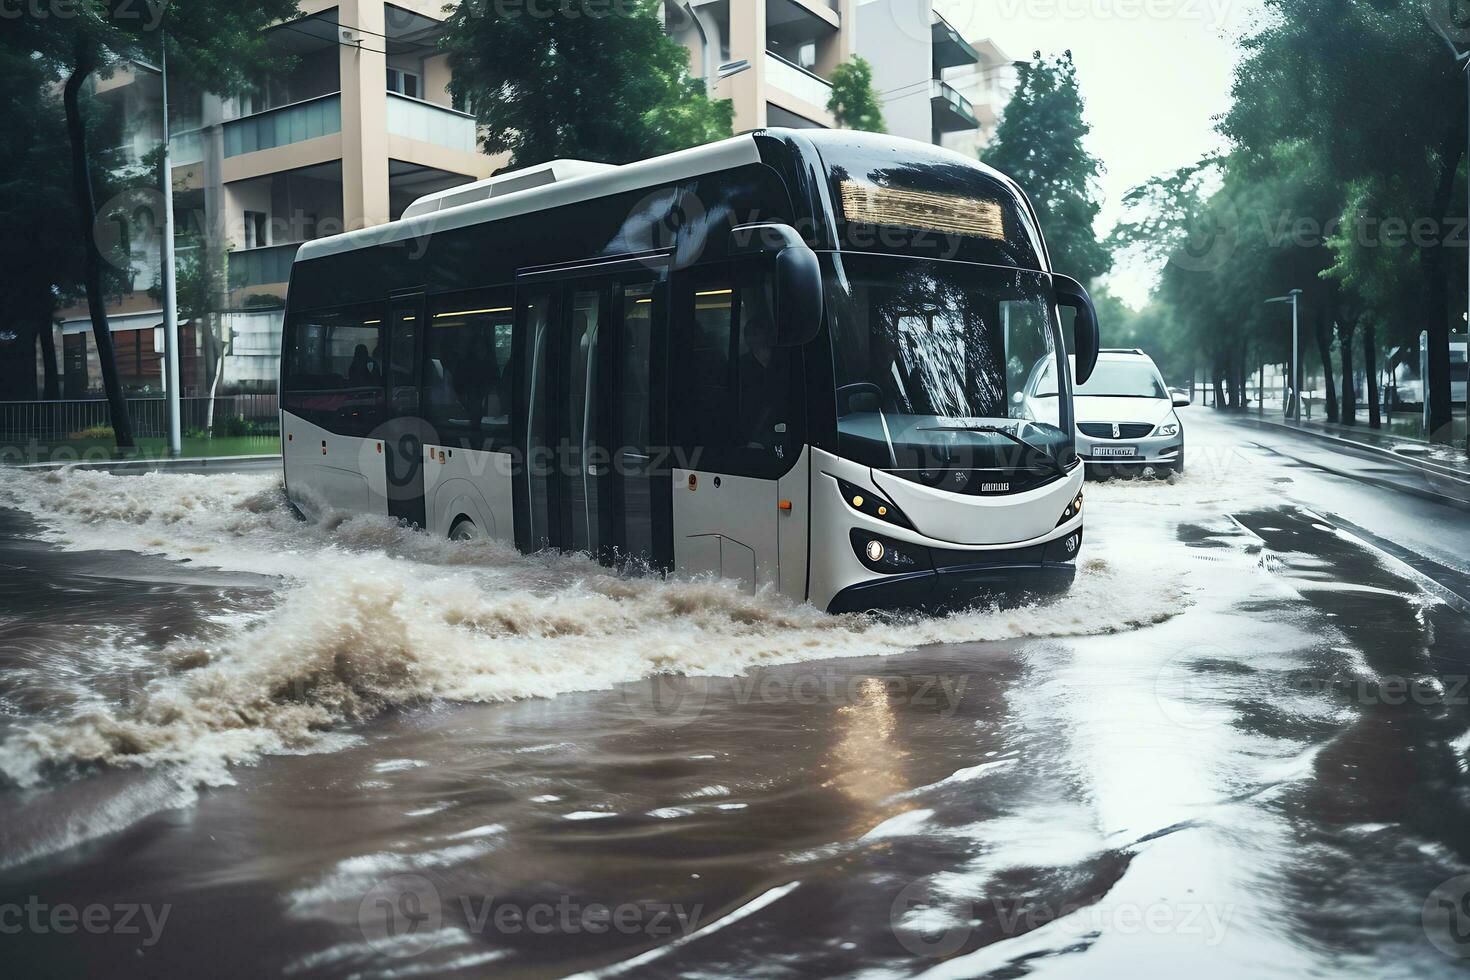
x=1425 y=466
x=157 y=465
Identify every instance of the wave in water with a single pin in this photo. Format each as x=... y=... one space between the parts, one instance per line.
x=370 y=616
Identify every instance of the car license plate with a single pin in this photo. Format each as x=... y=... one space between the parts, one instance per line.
x=1115 y=450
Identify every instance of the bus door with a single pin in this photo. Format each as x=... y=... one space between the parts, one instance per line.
x=604 y=423
x=404 y=431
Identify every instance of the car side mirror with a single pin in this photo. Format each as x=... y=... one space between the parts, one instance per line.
x=1070 y=293
x=1181 y=399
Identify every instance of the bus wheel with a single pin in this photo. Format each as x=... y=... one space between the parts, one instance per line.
x=464 y=529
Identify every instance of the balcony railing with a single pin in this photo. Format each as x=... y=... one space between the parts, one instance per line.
x=284 y=125
x=261 y=266
x=797 y=81
x=952 y=111
x=430 y=123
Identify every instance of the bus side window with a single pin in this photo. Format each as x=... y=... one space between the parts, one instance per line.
x=334 y=370
x=467 y=378
x=737 y=396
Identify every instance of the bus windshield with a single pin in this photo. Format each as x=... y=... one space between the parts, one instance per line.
x=932 y=360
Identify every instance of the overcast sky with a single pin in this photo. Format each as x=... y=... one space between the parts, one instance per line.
x=1154 y=74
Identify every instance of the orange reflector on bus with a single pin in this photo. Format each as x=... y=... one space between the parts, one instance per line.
x=784 y=505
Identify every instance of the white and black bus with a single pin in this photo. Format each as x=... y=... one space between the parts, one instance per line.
x=794 y=359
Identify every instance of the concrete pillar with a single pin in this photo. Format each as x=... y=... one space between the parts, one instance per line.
x=748 y=40
x=364 y=115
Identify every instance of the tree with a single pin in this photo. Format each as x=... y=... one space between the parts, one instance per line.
x=854 y=104
x=1039 y=144
x=581 y=79
x=42 y=269
x=1315 y=72
x=215 y=44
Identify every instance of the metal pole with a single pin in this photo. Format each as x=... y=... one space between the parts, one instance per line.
x=170 y=289
x=1296 y=361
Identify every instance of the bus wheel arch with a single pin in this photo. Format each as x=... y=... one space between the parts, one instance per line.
x=464 y=528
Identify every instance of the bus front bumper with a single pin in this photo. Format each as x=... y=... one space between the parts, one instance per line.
x=956 y=580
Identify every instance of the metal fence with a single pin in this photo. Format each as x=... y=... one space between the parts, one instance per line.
x=49 y=420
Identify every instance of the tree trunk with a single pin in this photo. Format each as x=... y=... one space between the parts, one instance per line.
x=49 y=371
x=1324 y=351
x=122 y=424
x=1219 y=385
x=1345 y=330
x=1434 y=262
x=1370 y=372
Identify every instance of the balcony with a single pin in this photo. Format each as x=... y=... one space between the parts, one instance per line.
x=797 y=81
x=430 y=123
x=187 y=148
x=284 y=125
x=951 y=50
x=261 y=266
x=952 y=111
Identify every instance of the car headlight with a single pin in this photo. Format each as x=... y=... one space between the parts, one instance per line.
x=1167 y=429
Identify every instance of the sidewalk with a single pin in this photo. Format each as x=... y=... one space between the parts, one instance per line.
x=1450 y=460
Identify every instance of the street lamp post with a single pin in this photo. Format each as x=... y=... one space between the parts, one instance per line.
x=1292 y=398
x=170 y=283
x=170 y=286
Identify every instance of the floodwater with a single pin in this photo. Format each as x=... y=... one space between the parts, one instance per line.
x=1237 y=747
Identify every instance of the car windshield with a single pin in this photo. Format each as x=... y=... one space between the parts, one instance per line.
x=1123 y=379
x=932 y=360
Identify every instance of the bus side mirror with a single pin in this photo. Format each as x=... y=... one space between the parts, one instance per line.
x=796 y=278
x=798 y=296
x=1070 y=293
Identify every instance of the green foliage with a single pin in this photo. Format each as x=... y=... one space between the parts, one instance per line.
x=854 y=104
x=1039 y=145
x=581 y=79
x=238 y=425
x=213 y=45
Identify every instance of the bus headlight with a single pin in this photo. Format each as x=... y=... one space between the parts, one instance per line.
x=873 y=504
x=1074 y=507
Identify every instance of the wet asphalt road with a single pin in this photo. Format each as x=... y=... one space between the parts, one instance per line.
x=1239 y=748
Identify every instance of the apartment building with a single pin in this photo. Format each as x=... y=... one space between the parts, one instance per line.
x=986 y=84
x=935 y=86
x=772 y=58
x=361 y=126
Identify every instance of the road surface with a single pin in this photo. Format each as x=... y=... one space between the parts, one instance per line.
x=245 y=745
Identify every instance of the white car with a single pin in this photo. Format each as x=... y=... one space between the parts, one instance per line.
x=1125 y=413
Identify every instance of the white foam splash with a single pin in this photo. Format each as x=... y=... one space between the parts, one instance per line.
x=370 y=615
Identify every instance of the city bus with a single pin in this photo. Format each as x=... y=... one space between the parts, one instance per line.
x=793 y=359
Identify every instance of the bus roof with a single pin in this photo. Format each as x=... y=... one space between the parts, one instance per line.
x=710 y=158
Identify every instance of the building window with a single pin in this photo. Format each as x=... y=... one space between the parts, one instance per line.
x=405 y=83
x=257 y=229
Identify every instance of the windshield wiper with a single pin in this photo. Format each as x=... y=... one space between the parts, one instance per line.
x=1056 y=463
